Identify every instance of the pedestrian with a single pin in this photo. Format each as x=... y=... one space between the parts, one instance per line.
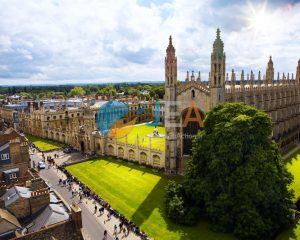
x=104 y=235
x=95 y=209
x=115 y=229
x=120 y=226
x=124 y=232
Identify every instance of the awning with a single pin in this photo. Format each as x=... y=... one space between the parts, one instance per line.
x=13 y=170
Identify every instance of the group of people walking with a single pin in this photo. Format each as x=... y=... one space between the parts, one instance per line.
x=125 y=226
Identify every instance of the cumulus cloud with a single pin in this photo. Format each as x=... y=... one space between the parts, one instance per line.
x=81 y=41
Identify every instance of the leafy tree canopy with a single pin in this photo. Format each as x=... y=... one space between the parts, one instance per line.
x=236 y=172
x=77 y=91
x=108 y=90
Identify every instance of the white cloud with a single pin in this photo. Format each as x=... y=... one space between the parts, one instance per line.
x=98 y=41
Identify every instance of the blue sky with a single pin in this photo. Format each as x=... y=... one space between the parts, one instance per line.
x=97 y=41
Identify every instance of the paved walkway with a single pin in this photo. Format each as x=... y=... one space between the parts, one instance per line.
x=93 y=224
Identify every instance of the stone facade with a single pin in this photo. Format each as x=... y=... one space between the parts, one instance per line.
x=134 y=153
x=16 y=152
x=72 y=126
x=280 y=98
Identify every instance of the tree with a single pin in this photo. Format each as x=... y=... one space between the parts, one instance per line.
x=77 y=91
x=237 y=171
x=108 y=90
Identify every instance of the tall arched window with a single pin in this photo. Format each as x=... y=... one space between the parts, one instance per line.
x=193 y=94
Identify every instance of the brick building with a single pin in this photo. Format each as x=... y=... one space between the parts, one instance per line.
x=14 y=155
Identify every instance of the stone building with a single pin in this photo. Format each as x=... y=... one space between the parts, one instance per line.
x=71 y=123
x=31 y=210
x=279 y=97
x=14 y=155
x=22 y=202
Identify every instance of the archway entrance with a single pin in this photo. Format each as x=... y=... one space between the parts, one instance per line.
x=82 y=146
x=192 y=122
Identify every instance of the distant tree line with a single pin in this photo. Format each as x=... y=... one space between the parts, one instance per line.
x=143 y=90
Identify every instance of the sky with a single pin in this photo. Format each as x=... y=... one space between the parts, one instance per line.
x=101 y=41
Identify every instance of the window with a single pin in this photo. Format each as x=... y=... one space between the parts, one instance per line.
x=193 y=93
x=12 y=176
x=5 y=156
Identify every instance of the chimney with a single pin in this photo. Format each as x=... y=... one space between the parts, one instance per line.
x=76 y=216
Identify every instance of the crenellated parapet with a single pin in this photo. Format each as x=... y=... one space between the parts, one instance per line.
x=192 y=78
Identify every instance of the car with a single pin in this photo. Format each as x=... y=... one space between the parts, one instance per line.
x=41 y=165
x=67 y=150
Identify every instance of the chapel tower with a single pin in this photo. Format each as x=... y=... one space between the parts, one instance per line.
x=170 y=108
x=217 y=72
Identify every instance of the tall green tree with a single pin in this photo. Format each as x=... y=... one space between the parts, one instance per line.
x=236 y=172
x=77 y=92
x=108 y=90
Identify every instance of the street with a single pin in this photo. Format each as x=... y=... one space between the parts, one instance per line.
x=92 y=226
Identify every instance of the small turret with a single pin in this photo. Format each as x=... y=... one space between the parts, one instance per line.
x=298 y=73
x=227 y=79
x=199 y=77
x=192 y=76
x=242 y=80
x=251 y=82
x=270 y=72
x=187 y=76
x=259 y=79
x=233 y=80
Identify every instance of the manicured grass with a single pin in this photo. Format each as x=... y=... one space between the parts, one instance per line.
x=293 y=165
x=44 y=144
x=138 y=193
x=142 y=131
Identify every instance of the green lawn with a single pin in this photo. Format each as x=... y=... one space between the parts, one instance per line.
x=293 y=165
x=142 y=131
x=44 y=144
x=138 y=193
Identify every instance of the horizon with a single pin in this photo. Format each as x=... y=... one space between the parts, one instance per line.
x=125 y=42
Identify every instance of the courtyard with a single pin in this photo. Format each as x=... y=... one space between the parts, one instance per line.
x=44 y=144
x=293 y=166
x=142 y=131
x=138 y=193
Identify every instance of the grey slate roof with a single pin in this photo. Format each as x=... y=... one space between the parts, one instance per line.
x=52 y=214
